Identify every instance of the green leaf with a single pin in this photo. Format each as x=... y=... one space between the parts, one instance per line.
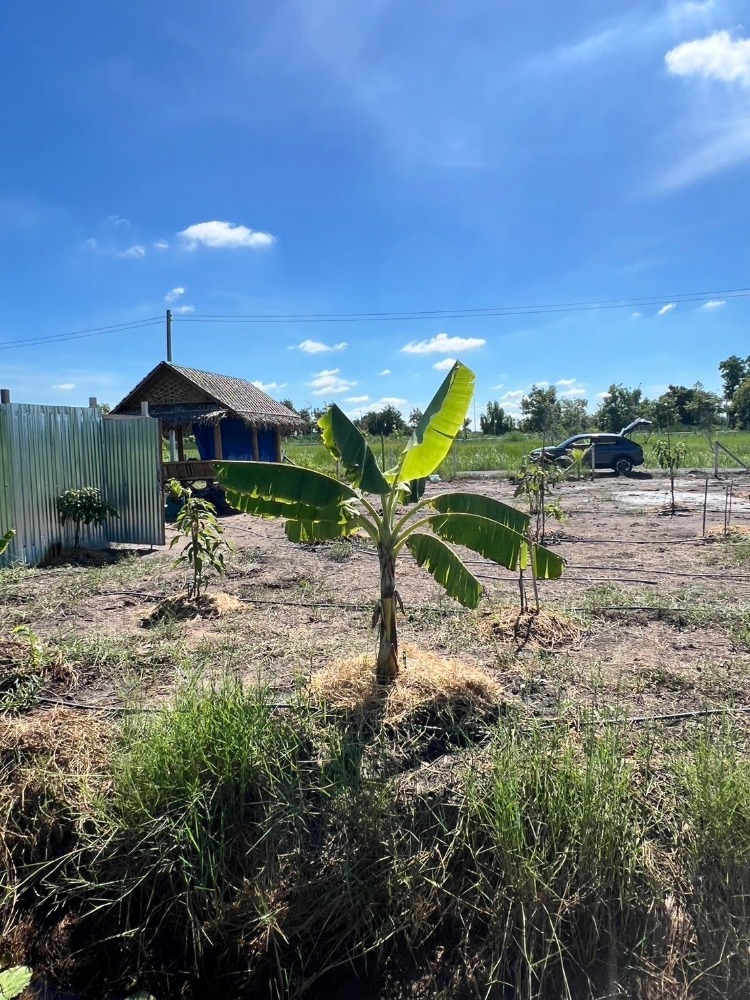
x=318 y=530
x=548 y=565
x=490 y=539
x=14 y=981
x=440 y=423
x=346 y=444
x=263 y=507
x=6 y=539
x=282 y=482
x=446 y=568
x=474 y=503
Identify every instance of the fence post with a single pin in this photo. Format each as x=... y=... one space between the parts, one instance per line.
x=92 y=402
x=716 y=459
x=593 y=462
x=4 y=395
x=144 y=409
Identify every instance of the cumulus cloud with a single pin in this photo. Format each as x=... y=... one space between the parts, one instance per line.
x=330 y=383
x=224 y=235
x=445 y=365
x=636 y=315
x=269 y=386
x=441 y=343
x=117 y=220
x=184 y=309
x=574 y=393
x=64 y=386
x=385 y=371
x=174 y=295
x=566 y=381
x=714 y=304
x=317 y=347
x=133 y=252
x=668 y=308
x=389 y=401
x=161 y=245
x=716 y=57
x=356 y=399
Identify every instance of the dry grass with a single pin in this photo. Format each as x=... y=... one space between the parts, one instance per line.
x=738 y=532
x=75 y=742
x=544 y=629
x=426 y=685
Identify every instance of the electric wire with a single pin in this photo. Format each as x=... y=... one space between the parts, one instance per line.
x=98 y=331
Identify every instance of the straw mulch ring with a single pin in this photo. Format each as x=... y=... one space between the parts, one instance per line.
x=75 y=742
x=428 y=689
x=735 y=533
x=543 y=629
x=189 y=609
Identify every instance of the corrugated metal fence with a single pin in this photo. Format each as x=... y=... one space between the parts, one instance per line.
x=45 y=450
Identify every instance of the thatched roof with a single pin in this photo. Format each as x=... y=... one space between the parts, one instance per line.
x=182 y=396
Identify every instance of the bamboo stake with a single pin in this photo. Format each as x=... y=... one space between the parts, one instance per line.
x=705 y=505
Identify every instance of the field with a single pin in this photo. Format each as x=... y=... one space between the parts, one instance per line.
x=177 y=780
x=504 y=454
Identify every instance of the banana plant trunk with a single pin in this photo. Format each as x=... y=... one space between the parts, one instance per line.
x=387 y=665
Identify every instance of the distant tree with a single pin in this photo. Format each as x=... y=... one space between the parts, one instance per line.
x=105 y=408
x=541 y=410
x=495 y=420
x=618 y=407
x=690 y=407
x=414 y=417
x=288 y=404
x=739 y=408
x=733 y=372
x=574 y=416
x=387 y=421
x=706 y=409
x=467 y=425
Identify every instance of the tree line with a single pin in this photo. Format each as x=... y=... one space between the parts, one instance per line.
x=545 y=411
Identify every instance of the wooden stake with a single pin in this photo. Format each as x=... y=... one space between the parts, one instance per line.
x=705 y=506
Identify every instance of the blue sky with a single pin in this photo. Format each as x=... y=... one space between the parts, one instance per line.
x=336 y=157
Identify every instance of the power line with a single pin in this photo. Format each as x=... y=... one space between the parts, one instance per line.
x=81 y=334
x=474 y=313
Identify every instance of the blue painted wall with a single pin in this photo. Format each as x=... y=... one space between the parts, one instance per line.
x=236 y=442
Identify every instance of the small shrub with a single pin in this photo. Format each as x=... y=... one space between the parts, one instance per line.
x=198 y=526
x=84 y=506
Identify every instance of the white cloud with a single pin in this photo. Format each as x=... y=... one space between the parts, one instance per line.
x=174 y=295
x=602 y=395
x=668 y=308
x=575 y=393
x=389 y=401
x=636 y=315
x=161 y=245
x=714 y=304
x=329 y=383
x=269 y=386
x=117 y=220
x=92 y=243
x=184 y=309
x=385 y=371
x=542 y=384
x=224 y=235
x=566 y=381
x=317 y=347
x=356 y=399
x=135 y=252
x=441 y=343
x=445 y=365
x=716 y=57
x=500 y=386
x=64 y=386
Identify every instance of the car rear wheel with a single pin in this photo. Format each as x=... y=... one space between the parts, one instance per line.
x=622 y=466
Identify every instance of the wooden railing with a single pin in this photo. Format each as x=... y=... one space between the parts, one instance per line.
x=189 y=471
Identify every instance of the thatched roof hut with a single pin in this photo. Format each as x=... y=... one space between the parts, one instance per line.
x=181 y=397
x=230 y=418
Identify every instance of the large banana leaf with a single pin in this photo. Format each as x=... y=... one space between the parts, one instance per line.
x=248 y=503
x=490 y=539
x=474 y=503
x=311 y=530
x=548 y=565
x=281 y=482
x=444 y=565
x=345 y=443
x=440 y=423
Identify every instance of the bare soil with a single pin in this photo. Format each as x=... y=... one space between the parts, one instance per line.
x=661 y=614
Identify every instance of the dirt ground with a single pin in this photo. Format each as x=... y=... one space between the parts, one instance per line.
x=657 y=616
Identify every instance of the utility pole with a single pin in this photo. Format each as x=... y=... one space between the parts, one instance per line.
x=169 y=335
x=172 y=436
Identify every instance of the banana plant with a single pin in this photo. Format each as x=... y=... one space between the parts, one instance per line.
x=390 y=507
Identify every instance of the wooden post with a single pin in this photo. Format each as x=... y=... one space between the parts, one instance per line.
x=254 y=438
x=705 y=506
x=218 y=453
x=92 y=402
x=180 y=445
x=144 y=409
x=593 y=461
x=716 y=459
x=4 y=395
x=278 y=444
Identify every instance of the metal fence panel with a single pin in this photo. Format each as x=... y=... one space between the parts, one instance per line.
x=132 y=456
x=45 y=450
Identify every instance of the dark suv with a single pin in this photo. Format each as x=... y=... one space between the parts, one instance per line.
x=612 y=451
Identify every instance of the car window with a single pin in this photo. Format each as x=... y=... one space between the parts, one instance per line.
x=577 y=441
